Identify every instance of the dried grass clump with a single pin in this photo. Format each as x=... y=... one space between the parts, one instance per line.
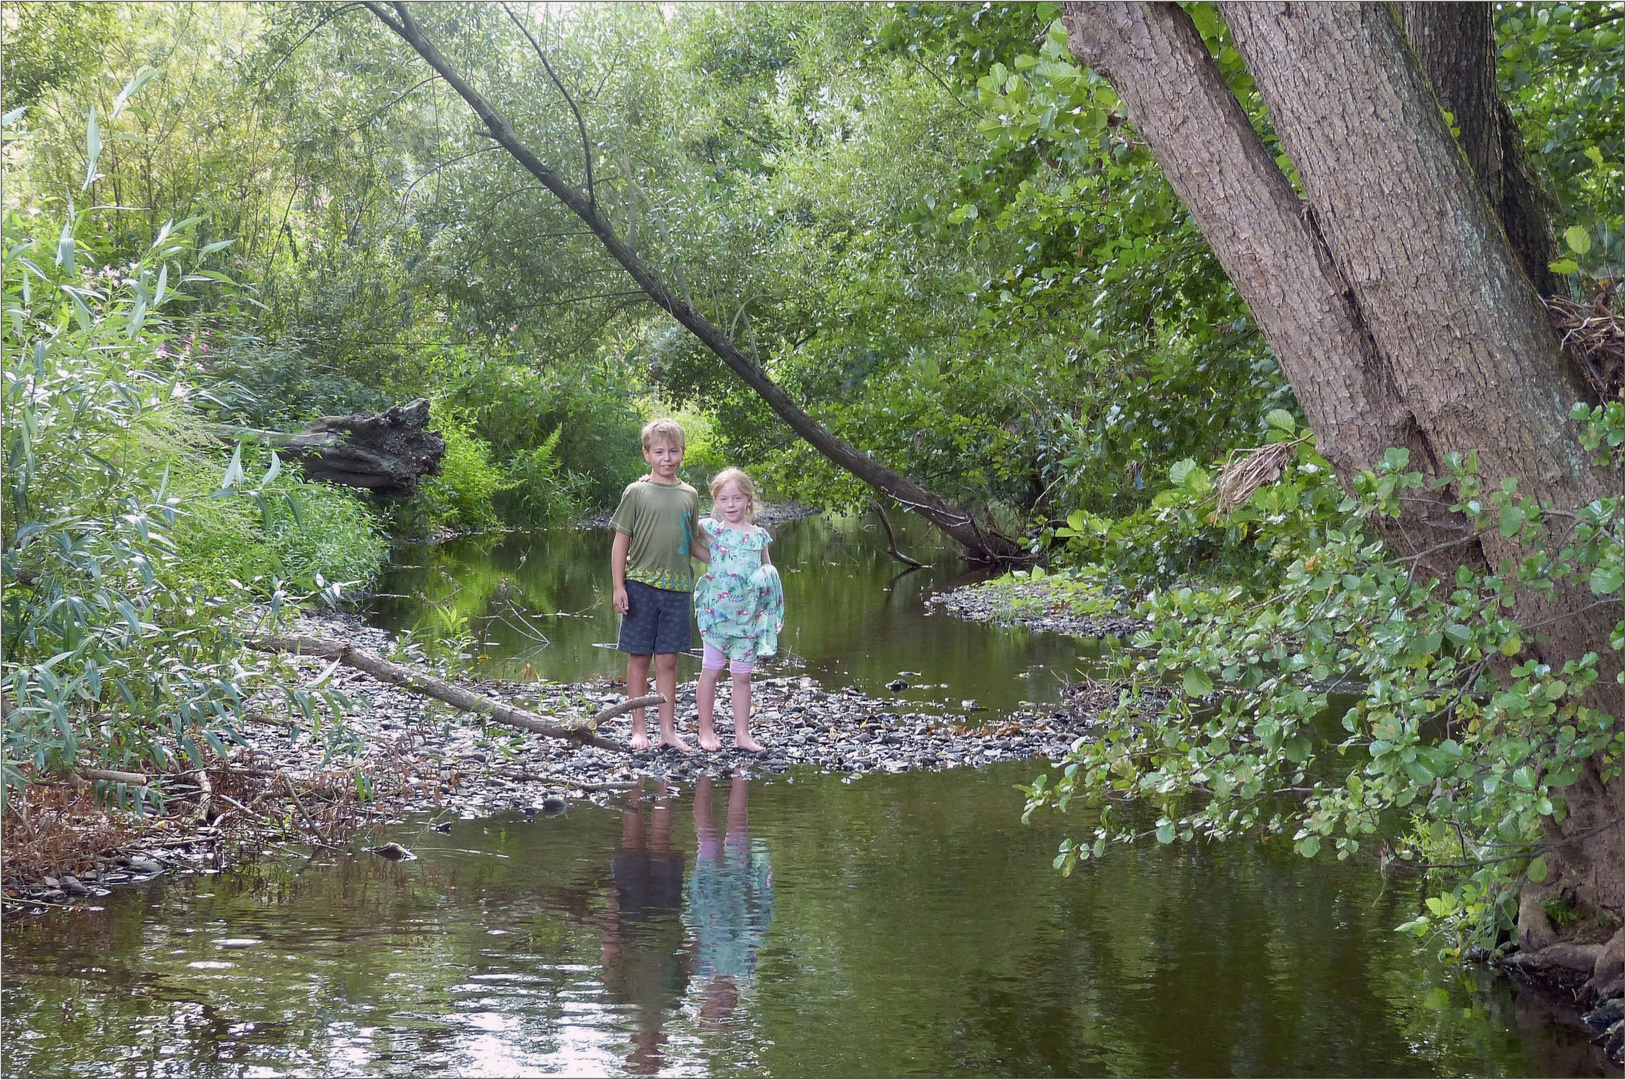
x=60 y=829
x=1246 y=475
x=1594 y=336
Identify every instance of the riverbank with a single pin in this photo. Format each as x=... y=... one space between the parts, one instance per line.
x=1057 y=605
x=321 y=785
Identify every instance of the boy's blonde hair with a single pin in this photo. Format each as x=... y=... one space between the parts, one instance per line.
x=666 y=430
x=739 y=478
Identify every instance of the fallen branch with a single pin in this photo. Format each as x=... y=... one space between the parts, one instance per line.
x=111 y=775
x=452 y=694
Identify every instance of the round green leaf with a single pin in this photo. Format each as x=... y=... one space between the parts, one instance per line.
x=1579 y=240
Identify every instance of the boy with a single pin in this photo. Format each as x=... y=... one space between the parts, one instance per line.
x=656 y=531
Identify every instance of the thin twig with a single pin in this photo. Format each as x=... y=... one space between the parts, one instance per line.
x=587 y=150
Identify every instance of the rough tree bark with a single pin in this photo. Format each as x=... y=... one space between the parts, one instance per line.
x=1455 y=45
x=958 y=524
x=1391 y=294
x=386 y=453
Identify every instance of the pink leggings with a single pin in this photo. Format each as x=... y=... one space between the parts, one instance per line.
x=715 y=660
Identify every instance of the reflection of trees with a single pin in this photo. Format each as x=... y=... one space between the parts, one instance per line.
x=362 y=945
x=1223 y=961
x=508 y=591
x=918 y=931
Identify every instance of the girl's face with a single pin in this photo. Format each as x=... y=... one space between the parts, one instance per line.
x=732 y=504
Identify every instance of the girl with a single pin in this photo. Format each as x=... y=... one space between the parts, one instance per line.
x=738 y=602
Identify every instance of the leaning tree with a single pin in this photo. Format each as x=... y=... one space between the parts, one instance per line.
x=1395 y=287
x=982 y=540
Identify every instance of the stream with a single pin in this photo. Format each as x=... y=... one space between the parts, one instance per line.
x=802 y=924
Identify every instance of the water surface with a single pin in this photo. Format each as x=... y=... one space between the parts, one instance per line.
x=888 y=926
x=851 y=619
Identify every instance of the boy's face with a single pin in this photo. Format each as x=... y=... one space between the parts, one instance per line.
x=664 y=458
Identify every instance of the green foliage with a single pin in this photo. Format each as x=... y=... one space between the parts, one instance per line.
x=47 y=45
x=283 y=534
x=1561 y=71
x=121 y=621
x=538 y=490
x=1453 y=726
x=273 y=387
x=460 y=498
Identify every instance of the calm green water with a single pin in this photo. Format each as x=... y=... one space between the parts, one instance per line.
x=850 y=619
x=893 y=926
x=807 y=926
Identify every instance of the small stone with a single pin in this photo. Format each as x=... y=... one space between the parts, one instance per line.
x=75 y=886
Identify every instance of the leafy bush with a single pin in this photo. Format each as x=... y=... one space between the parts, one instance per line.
x=121 y=618
x=275 y=387
x=1472 y=756
x=539 y=490
x=284 y=533
x=461 y=497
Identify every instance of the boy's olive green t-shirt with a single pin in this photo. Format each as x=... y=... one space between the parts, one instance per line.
x=660 y=518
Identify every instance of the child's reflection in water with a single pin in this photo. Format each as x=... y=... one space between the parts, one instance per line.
x=648 y=952
x=645 y=961
x=730 y=902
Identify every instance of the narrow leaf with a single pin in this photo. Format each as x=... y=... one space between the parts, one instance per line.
x=142 y=78
x=93 y=148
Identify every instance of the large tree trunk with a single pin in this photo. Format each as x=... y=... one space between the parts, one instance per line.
x=1455 y=44
x=386 y=453
x=955 y=522
x=1450 y=311
x=1391 y=295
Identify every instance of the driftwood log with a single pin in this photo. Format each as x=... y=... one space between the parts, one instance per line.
x=461 y=697
x=387 y=453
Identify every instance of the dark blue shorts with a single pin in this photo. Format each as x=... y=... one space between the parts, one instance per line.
x=657 y=620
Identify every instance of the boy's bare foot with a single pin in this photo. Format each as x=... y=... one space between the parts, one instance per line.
x=676 y=743
x=639 y=741
x=748 y=744
x=710 y=743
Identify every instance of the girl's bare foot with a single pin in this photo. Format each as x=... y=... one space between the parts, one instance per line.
x=710 y=743
x=639 y=741
x=676 y=743
x=748 y=744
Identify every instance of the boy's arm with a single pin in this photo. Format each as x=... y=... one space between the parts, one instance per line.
x=618 y=570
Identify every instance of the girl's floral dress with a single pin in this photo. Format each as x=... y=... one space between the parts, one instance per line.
x=739 y=602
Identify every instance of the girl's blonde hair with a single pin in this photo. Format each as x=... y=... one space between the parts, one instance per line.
x=739 y=478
